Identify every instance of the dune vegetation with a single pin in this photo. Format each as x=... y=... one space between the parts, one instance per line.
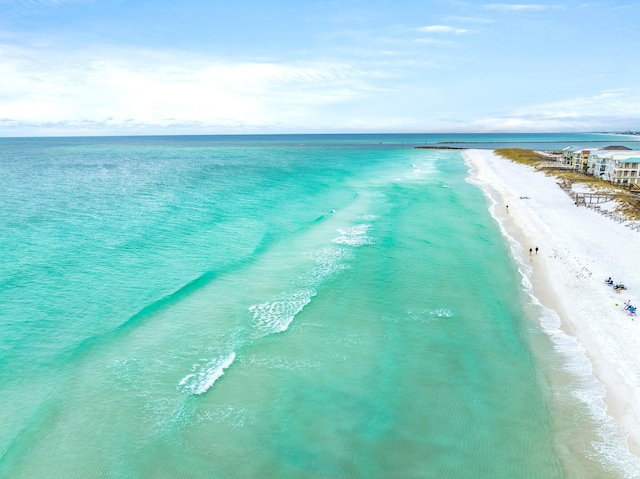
x=627 y=196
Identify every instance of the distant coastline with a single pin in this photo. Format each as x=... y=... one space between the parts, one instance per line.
x=489 y=142
x=625 y=133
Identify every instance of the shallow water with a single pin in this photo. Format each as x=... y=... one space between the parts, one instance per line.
x=270 y=307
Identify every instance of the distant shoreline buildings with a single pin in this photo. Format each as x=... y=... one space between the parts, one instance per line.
x=631 y=133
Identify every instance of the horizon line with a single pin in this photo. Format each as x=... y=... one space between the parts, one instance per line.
x=158 y=135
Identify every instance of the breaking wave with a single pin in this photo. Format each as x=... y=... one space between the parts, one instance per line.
x=357 y=235
x=276 y=315
x=206 y=375
x=330 y=262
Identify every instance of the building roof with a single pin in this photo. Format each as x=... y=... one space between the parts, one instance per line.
x=616 y=147
x=577 y=149
x=615 y=155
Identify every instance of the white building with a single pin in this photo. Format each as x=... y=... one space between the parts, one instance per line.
x=615 y=166
x=577 y=157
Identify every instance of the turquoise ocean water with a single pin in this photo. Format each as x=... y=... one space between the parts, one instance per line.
x=279 y=306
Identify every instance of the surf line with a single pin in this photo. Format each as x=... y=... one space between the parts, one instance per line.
x=198 y=383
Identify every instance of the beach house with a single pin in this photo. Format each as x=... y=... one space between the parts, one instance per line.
x=577 y=157
x=616 y=166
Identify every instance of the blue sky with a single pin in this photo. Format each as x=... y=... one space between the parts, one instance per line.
x=92 y=67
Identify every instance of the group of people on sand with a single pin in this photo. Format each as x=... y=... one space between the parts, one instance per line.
x=531 y=251
x=617 y=287
x=628 y=307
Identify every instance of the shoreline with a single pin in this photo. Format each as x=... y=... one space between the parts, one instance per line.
x=578 y=249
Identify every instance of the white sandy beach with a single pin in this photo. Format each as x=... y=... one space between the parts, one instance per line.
x=578 y=249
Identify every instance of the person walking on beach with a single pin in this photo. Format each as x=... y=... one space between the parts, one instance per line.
x=536 y=250
x=530 y=251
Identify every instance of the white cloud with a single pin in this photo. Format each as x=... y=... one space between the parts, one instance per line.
x=432 y=41
x=443 y=29
x=609 y=110
x=43 y=3
x=619 y=102
x=471 y=19
x=146 y=88
x=509 y=7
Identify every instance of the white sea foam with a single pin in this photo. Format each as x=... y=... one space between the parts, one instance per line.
x=610 y=448
x=356 y=235
x=229 y=415
x=186 y=379
x=321 y=273
x=418 y=172
x=281 y=363
x=330 y=261
x=428 y=315
x=421 y=315
x=276 y=315
x=204 y=376
x=332 y=254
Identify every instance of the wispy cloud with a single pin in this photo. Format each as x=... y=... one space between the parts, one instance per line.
x=432 y=41
x=623 y=7
x=470 y=19
x=443 y=29
x=621 y=101
x=607 y=110
x=511 y=7
x=44 y=3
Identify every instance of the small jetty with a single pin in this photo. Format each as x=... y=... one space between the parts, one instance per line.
x=441 y=147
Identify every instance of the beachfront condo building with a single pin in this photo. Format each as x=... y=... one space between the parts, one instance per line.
x=615 y=166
